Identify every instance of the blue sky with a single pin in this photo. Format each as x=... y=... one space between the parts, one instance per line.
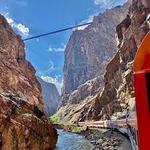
x=33 y=17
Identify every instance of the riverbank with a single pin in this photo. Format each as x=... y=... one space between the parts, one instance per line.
x=71 y=141
x=101 y=139
x=105 y=139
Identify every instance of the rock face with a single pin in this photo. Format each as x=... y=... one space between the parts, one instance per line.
x=86 y=57
x=22 y=126
x=22 y=123
x=117 y=94
x=89 y=88
x=118 y=91
x=17 y=74
x=87 y=53
x=50 y=95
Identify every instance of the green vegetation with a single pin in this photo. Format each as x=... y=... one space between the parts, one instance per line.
x=76 y=129
x=56 y=120
x=71 y=113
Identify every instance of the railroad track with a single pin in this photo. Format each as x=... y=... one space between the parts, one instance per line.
x=126 y=126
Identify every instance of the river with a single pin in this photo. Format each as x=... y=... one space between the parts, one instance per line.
x=71 y=141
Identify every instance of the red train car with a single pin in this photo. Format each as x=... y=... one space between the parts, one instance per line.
x=141 y=69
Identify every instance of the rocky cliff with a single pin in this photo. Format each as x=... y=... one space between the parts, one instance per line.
x=17 y=74
x=117 y=94
x=87 y=54
x=50 y=95
x=22 y=122
x=86 y=57
x=89 y=50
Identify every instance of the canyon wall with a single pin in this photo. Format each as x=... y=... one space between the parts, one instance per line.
x=23 y=124
x=17 y=74
x=118 y=93
x=51 y=97
x=88 y=52
x=115 y=96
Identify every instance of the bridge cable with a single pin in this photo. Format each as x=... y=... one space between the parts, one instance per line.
x=57 y=31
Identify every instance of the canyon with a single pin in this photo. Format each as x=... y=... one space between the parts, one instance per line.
x=102 y=88
x=98 y=80
x=23 y=124
x=51 y=97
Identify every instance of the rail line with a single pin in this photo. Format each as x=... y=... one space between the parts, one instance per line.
x=127 y=126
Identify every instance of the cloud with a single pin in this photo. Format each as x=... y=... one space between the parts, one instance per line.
x=20 y=28
x=50 y=66
x=23 y=29
x=89 y=19
x=55 y=80
x=50 y=49
x=106 y=4
x=58 y=49
x=98 y=2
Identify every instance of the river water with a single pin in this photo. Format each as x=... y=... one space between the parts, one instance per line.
x=71 y=141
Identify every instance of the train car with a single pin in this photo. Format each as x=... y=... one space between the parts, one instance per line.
x=132 y=129
x=141 y=68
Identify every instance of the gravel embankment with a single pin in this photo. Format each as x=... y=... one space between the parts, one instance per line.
x=107 y=139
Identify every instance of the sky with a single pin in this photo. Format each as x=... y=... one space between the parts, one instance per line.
x=33 y=17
